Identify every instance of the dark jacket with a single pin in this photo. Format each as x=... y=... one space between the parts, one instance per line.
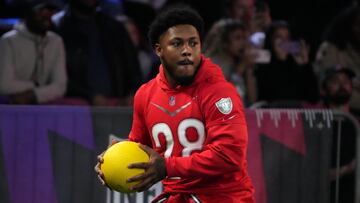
x=119 y=53
x=286 y=81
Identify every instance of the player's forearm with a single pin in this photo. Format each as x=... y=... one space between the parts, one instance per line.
x=211 y=162
x=224 y=153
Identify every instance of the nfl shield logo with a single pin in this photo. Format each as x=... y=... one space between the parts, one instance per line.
x=172 y=101
x=224 y=105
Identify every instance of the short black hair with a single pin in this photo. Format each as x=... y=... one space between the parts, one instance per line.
x=270 y=32
x=178 y=14
x=330 y=71
x=29 y=9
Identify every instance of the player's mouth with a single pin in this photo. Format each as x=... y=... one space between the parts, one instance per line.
x=185 y=62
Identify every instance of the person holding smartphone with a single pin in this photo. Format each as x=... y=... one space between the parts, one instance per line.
x=288 y=75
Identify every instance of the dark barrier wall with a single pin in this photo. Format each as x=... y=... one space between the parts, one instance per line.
x=47 y=154
x=288 y=155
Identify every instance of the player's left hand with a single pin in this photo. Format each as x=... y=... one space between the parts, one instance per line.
x=100 y=160
x=155 y=170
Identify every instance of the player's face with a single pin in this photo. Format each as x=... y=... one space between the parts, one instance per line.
x=179 y=50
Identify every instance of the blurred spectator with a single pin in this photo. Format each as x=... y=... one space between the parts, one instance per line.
x=227 y=45
x=288 y=75
x=341 y=46
x=7 y=24
x=256 y=17
x=336 y=91
x=141 y=13
x=242 y=10
x=148 y=60
x=155 y=4
x=102 y=62
x=32 y=60
x=261 y=18
x=260 y=22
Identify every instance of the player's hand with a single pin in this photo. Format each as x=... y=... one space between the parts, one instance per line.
x=155 y=170
x=97 y=167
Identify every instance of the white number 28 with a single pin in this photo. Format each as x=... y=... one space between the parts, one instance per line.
x=188 y=146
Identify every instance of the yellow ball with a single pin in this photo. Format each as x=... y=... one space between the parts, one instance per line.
x=116 y=161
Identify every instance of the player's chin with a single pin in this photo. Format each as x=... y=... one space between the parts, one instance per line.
x=185 y=80
x=186 y=70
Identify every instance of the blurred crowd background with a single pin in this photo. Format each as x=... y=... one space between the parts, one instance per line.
x=278 y=54
x=96 y=52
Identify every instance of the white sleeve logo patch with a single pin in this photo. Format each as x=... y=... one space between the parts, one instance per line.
x=224 y=105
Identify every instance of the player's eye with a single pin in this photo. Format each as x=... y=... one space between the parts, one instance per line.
x=175 y=43
x=193 y=43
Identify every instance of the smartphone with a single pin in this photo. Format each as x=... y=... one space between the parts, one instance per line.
x=292 y=47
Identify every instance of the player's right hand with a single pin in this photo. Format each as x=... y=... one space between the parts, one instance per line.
x=155 y=170
x=97 y=167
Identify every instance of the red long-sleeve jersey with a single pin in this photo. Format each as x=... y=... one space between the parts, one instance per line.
x=200 y=130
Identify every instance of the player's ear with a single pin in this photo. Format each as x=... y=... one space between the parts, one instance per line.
x=158 y=50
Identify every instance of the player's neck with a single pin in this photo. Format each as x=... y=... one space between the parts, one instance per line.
x=170 y=80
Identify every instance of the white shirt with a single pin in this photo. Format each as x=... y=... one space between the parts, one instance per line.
x=18 y=55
